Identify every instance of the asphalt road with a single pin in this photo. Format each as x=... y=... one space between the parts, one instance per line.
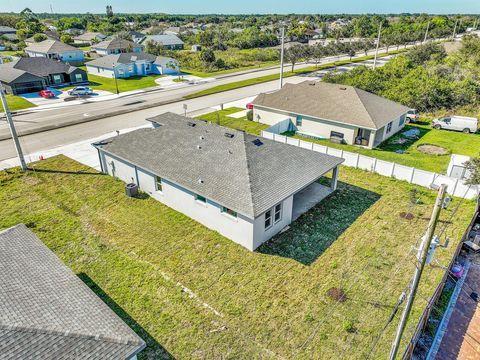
x=86 y=130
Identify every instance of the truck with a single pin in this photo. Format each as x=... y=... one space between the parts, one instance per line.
x=457 y=123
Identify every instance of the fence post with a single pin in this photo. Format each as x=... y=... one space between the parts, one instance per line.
x=411 y=176
x=358 y=159
x=374 y=165
x=455 y=187
x=392 y=173
x=434 y=176
x=341 y=154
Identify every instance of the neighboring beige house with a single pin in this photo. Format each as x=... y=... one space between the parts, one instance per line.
x=331 y=111
x=53 y=49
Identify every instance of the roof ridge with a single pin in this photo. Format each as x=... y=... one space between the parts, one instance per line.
x=118 y=340
x=363 y=105
x=247 y=161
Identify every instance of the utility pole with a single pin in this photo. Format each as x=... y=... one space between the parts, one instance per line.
x=115 y=76
x=455 y=30
x=421 y=259
x=378 y=45
x=13 y=132
x=282 y=51
x=426 y=33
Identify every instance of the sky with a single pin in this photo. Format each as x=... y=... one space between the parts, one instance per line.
x=247 y=6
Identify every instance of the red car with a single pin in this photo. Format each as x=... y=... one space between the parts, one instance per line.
x=250 y=106
x=47 y=94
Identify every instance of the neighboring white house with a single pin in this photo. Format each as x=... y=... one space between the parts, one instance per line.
x=116 y=46
x=331 y=111
x=48 y=312
x=53 y=49
x=246 y=187
x=167 y=41
x=89 y=38
x=132 y=64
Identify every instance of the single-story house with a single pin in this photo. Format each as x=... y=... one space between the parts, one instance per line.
x=331 y=111
x=137 y=36
x=246 y=187
x=116 y=46
x=10 y=37
x=4 y=30
x=131 y=64
x=53 y=49
x=89 y=38
x=48 y=312
x=34 y=74
x=170 y=42
x=196 y=47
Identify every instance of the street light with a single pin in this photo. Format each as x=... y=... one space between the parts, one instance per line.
x=115 y=76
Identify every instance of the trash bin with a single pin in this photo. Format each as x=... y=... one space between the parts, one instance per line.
x=131 y=189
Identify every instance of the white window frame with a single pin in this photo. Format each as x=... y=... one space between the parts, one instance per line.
x=268 y=218
x=277 y=209
x=229 y=212
x=158 y=184
x=389 y=127
x=199 y=198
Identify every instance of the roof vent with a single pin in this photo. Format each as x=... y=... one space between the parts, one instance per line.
x=192 y=124
x=202 y=137
x=230 y=152
x=199 y=147
x=200 y=181
x=229 y=135
x=257 y=142
x=313 y=83
x=343 y=88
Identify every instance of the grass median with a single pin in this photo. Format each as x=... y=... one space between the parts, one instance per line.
x=17 y=103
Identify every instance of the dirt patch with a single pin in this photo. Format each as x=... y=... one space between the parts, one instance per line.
x=337 y=294
x=407 y=216
x=432 y=149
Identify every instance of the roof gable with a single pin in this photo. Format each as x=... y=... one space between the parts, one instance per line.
x=116 y=43
x=51 y=47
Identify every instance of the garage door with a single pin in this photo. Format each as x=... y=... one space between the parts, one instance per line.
x=28 y=87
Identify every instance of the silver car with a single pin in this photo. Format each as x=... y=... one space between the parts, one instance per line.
x=80 y=91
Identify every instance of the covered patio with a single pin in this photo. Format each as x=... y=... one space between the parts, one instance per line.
x=312 y=194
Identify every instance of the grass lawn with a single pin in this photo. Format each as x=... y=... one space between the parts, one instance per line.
x=189 y=291
x=239 y=124
x=454 y=142
x=17 y=103
x=230 y=71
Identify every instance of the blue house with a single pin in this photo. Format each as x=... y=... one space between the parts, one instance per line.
x=53 y=49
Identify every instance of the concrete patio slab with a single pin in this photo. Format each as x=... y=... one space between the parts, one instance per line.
x=307 y=198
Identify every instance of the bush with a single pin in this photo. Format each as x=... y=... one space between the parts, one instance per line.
x=250 y=115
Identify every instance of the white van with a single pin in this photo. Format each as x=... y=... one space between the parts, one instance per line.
x=457 y=123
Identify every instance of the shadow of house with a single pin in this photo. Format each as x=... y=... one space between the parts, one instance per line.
x=391 y=144
x=312 y=234
x=153 y=350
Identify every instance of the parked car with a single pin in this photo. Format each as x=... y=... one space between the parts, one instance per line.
x=249 y=106
x=47 y=94
x=412 y=115
x=457 y=123
x=80 y=91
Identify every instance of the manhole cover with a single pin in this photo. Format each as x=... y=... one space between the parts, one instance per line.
x=407 y=216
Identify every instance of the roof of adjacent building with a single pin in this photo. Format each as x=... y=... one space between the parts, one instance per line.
x=7 y=29
x=339 y=103
x=88 y=36
x=50 y=47
x=165 y=39
x=47 y=312
x=109 y=61
x=246 y=173
x=115 y=43
x=37 y=66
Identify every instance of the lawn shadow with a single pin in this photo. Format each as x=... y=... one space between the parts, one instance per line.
x=391 y=144
x=154 y=350
x=81 y=172
x=313 y=232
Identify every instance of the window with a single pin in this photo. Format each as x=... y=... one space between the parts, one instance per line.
x=389 y=126
x=158 y=183
x=402 y=121
x=200 y=198
x=78 y=77
x=147 y=66
x=335 y=134
x=229 y=212
x=298 y=122
x=278 y=213
x=57 y=79
x=268 y=219
x=130 y=68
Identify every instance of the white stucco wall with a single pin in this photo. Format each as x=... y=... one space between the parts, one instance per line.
x=239 y=229
x=382 y=134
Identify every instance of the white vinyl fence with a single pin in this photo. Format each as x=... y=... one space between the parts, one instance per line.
x=412 y=175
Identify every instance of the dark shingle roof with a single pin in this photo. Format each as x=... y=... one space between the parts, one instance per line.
x=41 y=66
x=232 y=171
x=51 y=47
x=116 y=43
x=7 y=30
x=340 y=103
x=47 y=312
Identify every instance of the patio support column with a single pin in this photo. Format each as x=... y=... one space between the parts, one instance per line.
x=334 y=181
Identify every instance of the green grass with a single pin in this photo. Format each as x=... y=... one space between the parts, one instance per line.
x=9 y=53
x=241 y=124
x=132 y=83
x=230 y=71
x=272 y=77
x=454 y=142
x=17 y=103
x=140 y=256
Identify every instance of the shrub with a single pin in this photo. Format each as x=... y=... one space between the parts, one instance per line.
x=250 y=115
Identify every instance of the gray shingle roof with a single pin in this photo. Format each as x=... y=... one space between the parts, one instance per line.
x=51 y=47
x=7 y=30
x=107 y=62
x=116 y=43
x=41 y=66
x=166 y=39
x=234 y=172
x=340 y=103
x=88 y=36
x=47 y=312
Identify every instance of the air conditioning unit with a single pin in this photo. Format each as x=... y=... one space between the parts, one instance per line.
x=131 y=189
